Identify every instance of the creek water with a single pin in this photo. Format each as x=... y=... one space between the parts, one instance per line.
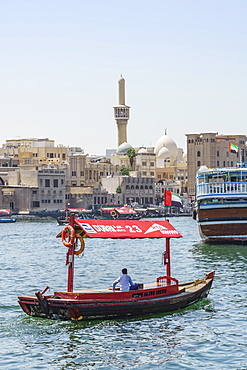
x=209 y=334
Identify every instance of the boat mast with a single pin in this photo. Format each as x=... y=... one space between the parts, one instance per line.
x=166 y=258
x=70 y=259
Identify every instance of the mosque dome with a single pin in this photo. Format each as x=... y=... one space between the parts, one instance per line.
x=167 y=142
x=124 y=147
x=164 y=153
x=142 y=151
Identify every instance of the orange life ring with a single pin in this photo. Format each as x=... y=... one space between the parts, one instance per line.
x=81 y=239
x=68 y=232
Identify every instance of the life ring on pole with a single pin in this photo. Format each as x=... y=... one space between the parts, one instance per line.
x=68 y=232
x=114 y=214
x=81 y=240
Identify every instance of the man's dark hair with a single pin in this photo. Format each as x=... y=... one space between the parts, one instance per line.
x=124 y=271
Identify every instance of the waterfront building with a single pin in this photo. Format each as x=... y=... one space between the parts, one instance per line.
x=211 y=149
x=34 y=190
x=128 y=189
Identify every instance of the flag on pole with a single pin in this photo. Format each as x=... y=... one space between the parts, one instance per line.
x=232 y=148
x=167 y=198
x=176 y=200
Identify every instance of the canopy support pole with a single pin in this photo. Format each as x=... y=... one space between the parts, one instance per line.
x=70 y=260
x=168 y=266
x=166 y=258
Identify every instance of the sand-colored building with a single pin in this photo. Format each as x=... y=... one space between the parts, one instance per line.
x=211 y=149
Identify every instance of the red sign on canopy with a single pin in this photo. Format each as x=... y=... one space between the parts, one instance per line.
x=127 y=229
x=78 y=210
x=120 y=210
x=5 y=211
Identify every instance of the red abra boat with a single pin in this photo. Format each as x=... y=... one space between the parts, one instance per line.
x=164 y=295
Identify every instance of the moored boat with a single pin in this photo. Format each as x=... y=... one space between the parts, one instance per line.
x=221 y=204
x=121 y=213
x=79 y=212
x=5 y=216
x=164 y=295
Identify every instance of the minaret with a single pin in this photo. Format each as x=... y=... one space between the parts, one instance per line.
x=121 y=112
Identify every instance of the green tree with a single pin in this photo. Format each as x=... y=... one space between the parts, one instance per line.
x=131 y=153
x=118 y=190
x=124 y=171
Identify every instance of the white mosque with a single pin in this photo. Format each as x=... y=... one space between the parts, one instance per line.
x=150 y=161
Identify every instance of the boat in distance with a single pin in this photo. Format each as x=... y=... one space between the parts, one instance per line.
x=221 y=204
x=5 y=216
x=164 y=295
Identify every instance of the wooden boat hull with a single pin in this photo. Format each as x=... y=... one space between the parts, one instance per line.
x=223 y=225
x=136 y=303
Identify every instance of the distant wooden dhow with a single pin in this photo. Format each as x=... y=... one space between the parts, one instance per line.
x=221 y=204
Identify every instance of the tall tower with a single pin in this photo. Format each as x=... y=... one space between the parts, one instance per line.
x=121 y=112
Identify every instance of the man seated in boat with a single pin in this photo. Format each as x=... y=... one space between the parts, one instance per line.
x=125 y=282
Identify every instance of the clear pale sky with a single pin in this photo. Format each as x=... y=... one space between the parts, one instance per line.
x=184 y=63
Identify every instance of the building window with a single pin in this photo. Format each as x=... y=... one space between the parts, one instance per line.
x=198 y=153
x=73 y=173
x=144 y=163
x=34 y=191
x=218 y=153
x=47 y=183
x=61 y=181
x=151 y=163
x=82 y=173
x=55 y=183
x=198 y=163
x=36 y=204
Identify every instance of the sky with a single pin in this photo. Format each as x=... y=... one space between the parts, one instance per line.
x=184 y=64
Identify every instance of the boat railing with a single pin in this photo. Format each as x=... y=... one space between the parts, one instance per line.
x=166 y=280
x=222 y=188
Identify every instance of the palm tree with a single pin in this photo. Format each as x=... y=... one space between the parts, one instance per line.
x=131 y=153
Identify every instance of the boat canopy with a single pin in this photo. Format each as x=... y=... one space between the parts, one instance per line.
x=120 y=210
x=5 y=211
x=78 y=210
x=127 y=229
